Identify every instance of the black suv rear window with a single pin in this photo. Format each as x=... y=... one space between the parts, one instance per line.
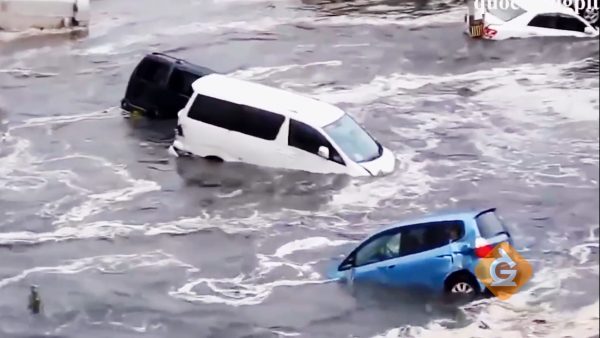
x=181 y=82
x=153 y=71
x=489 y=225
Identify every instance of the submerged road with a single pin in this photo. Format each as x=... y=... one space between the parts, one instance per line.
x=125 y=241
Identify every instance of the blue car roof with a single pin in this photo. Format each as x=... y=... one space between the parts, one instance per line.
x=441 y=216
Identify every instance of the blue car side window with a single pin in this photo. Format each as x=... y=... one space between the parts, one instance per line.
x=429 y=236
x=380 y=248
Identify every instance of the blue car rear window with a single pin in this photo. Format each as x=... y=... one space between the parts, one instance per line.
x=489 y=225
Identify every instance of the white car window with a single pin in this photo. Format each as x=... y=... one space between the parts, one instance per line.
x=544 y=21
x=570 y=23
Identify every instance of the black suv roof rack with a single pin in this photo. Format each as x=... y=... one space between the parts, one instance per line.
x=169 y=57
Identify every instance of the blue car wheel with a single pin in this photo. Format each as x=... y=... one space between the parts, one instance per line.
x=462 y=286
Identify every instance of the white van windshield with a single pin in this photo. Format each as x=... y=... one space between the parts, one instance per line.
x=353 y=140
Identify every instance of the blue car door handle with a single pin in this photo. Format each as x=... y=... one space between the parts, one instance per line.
x=388 y=267
x=447 y=255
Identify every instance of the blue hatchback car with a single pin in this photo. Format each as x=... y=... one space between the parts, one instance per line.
x=437 y=253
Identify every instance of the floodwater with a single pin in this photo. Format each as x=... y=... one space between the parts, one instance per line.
x=125 y=241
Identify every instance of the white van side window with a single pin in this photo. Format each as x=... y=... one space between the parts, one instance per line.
x=305 y=137
x=235 y=117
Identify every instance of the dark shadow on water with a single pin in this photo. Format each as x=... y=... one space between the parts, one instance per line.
x=275 y=188
x=588 y=68
x=388 y=308
x=148 y=130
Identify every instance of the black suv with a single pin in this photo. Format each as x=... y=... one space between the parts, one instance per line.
x=161 y=85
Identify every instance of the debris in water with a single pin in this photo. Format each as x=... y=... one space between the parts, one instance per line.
x=163 y=161
x=35 y=302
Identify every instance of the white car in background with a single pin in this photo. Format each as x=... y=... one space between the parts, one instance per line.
x=19 y=15
x=530 y=18
x=233 y=120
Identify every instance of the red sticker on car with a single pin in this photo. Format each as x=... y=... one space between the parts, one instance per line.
x=489 y=32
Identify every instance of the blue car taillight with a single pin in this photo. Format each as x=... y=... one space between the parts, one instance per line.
x=482 y=247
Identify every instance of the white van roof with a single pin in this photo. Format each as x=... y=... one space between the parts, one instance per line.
x=299 y=107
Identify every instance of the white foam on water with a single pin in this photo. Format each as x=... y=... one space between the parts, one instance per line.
x=286 y=334
x=255 y=287
x=9 y=36
x=26 y=72
x=528 y=313
x=583 y=251
x=310 y=243
x=450 y=17
x=48 y=121
x=96 y=203
x=491 y=85
x=94 y=230
x=22 y=183
x=72 y=226
x=367 y=195
x=115 y=47
x=351 y=45
x=261 y=73
x=105 y=264
x=236 y=291
x=23 y=172
x=269 y=24
x=18 y=158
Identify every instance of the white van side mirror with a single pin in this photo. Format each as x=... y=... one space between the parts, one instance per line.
x=323 y=152
x=589 y=30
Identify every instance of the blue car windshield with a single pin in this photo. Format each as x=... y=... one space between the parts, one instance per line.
x=353 y=139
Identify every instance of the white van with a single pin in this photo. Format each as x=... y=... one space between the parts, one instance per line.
x=239 y=121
